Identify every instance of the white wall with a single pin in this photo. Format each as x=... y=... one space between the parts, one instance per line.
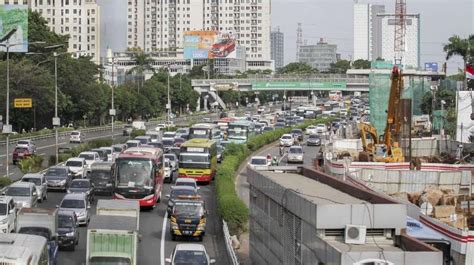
x=464 y=125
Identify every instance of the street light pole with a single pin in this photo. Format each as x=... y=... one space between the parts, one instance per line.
x=8 y=130
x=112 y=110
x=56 y=121
x=168 y=105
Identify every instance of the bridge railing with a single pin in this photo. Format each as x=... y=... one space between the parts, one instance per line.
x=351 y=80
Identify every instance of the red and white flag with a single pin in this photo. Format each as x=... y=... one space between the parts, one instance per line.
x=469 y=72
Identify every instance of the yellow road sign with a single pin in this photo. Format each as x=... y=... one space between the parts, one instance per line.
x=23 y=103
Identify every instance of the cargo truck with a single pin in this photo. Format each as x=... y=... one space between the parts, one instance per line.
x=41 y=222
x=112 y=240
x=119 y=208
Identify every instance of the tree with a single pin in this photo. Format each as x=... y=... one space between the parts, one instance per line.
x=297 y=68
x=458 y=46
x=361 y=64
x=143 y=63
x=340 y=67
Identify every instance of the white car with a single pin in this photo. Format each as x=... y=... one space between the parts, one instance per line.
x=110 y=152
x=287 y=140
x=173 y=161
x=8 y=212
x=186 y=182
x=321 y=128
x=76 y=137
x=190 y=254
x=296 y=154
x=311 y=130
x=257 y=161
x=169 y=134
x=40 y=183
x=160 y=127
x=90 y=157
x=77 y=166
x=24 y=194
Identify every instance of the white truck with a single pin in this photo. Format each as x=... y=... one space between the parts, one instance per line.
x=119 y=208
x=112 y=240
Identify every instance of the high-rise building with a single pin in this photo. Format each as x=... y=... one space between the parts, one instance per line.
x=155 y=25
x=367 y=31
x=411 y=56
x=319 y=56
x=80 y=19
x=278 y=48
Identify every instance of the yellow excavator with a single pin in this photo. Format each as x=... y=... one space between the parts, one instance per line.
x=386 y=147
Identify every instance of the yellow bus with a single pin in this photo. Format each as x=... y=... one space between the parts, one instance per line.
x=198 y=160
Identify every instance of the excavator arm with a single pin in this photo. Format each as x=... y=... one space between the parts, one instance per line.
x=367 y=129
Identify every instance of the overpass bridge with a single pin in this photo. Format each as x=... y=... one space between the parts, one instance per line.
x=209 y=87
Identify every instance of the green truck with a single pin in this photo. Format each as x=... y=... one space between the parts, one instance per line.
x=112 y=240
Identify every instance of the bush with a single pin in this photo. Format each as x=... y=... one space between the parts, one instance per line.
x=5 y=181
x=31 y=164
x=99 y=143
x=136 y=133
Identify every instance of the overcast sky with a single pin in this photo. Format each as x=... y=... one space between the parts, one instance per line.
x=333 y=20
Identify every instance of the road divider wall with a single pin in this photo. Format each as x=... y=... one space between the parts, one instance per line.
x=75 y=151
x=230 y=207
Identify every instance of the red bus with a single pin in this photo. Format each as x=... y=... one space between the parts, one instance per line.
x=139 y=175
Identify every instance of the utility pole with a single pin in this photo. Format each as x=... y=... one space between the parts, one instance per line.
x=168 y=105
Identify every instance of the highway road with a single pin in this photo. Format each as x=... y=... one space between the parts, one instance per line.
x=152 y=249
x=156 y=243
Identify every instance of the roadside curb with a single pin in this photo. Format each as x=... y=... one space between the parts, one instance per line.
x=243 y=251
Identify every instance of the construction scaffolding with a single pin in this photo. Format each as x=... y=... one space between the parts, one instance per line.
x=379 y=92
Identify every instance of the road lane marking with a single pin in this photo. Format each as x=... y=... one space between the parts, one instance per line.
x=163 y=234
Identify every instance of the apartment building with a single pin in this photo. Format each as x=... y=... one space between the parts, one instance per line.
x=278 y=48
x=158 y=25
x=367 y=31
x=80 y=19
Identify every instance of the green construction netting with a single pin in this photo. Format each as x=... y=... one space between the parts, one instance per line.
x=437 y=119
x=379 y=92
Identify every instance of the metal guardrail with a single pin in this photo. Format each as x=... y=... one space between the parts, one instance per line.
x=103 y=128
x=228 y=244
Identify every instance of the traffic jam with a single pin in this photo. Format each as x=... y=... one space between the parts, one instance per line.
x=124 y=179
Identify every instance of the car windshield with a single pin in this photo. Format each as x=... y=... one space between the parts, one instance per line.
x=314 y=137
x=167 y=142
x=258 y=161
x=65 y=221
x=182 y=131
x=194 y=161
x=22 y=143
x=36 y=181
x=3 y=209
x=142 y=140
x=135 y=172
x=75 y=133
x=286 y=137
x=182 y=192
x=73 y=204
x=169 y=134
x=296 y=150
x=296 y=131
x=18 y=191
x=56 y=172
x=170 y=157
x=87 y=156
x=132 y=144
x=117 y=149
x=99 y=174
x=107 y=151
x=188 y=209
x=80 y=184
x=189 y=257
x=74 y=164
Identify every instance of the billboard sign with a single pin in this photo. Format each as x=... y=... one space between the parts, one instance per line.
x=298 y=85
x=15 y=16
x=432 y=67
x=209 y=44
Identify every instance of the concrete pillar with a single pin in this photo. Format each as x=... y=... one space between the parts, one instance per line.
x=198 y=105
x=205 y=102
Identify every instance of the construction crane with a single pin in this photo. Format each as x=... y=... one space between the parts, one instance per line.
x=386 y=147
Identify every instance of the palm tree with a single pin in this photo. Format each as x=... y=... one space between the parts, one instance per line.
x=460 y=47
x=143 y=63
